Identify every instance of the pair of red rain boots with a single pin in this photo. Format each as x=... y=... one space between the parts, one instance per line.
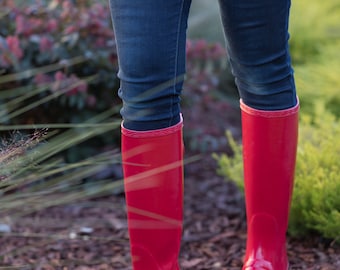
x=153 y=172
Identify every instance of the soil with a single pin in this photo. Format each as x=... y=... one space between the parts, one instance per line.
x=93 y=234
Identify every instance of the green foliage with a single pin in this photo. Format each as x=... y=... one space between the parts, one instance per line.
x=316 y=201
x=318 y=81
x=232 y=166
x=312 y=25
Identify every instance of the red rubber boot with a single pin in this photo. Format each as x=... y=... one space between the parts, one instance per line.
x=153 y=179
x=269 y=153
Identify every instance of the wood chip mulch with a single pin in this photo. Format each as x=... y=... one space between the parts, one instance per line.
x=93 y=234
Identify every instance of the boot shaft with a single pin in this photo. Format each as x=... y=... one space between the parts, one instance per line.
x=269 y=153
x=153 y=180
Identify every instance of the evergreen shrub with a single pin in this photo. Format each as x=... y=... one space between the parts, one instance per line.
x=318 y=26
x=318 y=81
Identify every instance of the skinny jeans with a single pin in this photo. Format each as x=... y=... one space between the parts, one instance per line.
x=151 y=45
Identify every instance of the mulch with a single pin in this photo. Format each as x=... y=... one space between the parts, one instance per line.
x=93 y=234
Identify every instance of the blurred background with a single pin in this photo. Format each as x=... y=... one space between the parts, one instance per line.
x=205 y=22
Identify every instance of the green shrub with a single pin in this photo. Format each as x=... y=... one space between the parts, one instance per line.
x=316 y=201
x=312 y=24
x=318 y=81
x=232 y=166
x=314 y=46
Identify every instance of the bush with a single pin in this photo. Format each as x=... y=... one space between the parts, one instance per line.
x=58 y=64
x=318 y=26
x=314 y=44
x=69 y=43
x=318 y=82
x=316 y=201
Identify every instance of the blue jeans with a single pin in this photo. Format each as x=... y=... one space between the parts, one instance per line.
x=151 y=37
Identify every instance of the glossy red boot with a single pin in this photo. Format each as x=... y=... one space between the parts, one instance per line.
x=269 y=153
x=153 y=179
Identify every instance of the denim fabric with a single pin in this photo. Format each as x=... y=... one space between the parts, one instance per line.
x=151 y=37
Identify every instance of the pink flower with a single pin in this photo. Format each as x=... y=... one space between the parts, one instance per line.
x=72 y=84
x=36 y=24
x=189 y=49
x=84 y=20
x=67 y=5
x=45 y=44
x=4 y=62
x=91 y=101
x=80 y=86
x=59 y=76
x=216 y=51
x=188 y=45
x=99 y=10
x=68 y=10
x=59 y=81
x=200 y=48
x=194 y=48
x=70 y=29
x=14 y=46
x=10 y=4
x=100 y=42
x=22 y=27
x=52 y=25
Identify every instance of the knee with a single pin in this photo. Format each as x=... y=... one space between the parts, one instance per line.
x=150 y=105
x=267 y=83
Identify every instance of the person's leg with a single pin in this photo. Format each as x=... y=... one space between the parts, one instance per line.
x=150 y=37
x=257 y=44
